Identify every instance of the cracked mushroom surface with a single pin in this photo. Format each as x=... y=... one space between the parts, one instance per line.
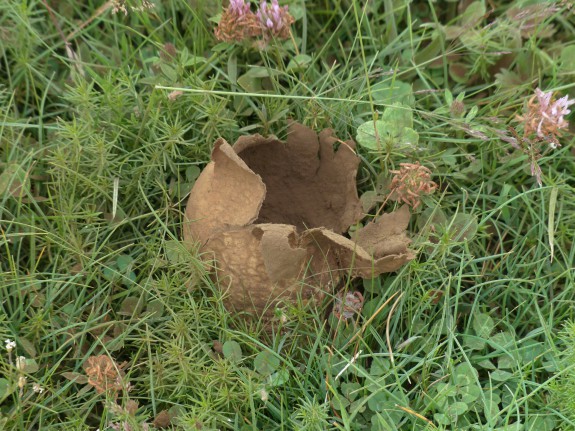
x=272 y=214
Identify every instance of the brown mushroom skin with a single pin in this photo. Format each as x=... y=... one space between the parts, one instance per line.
x=271 y=216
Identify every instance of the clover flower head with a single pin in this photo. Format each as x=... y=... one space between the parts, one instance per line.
x=545 y=116
x=275 y=19
x=348 y=304
x=237 y=23
x=239 y=7
x=37 y=388
x=410 y=183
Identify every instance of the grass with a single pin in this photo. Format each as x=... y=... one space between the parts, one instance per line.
x=96 y=163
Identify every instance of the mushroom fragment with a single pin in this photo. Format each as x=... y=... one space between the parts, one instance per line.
x=272 y=214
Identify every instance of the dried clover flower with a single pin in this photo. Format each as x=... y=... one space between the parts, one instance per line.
x=543 y=122
x=410 y=183
x=237 y=23
x=457 y=109
x=276 y=20
x=347 y=305
x=545 y=116
x=104 y=374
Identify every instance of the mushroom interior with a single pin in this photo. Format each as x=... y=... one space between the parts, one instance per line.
x=308 y=183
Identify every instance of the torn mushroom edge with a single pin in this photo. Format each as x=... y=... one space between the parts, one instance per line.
x=244 y=142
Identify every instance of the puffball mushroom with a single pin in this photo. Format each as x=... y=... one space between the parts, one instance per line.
x=272 y=215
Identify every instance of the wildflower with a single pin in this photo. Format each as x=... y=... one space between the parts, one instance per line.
x=174 y=95
x=120 y=6
x=21 y=382
x=37 y=388
x=237 y=23
x=10 y=345
x=21 y=363
x=264 y=395
x=145 y=5
x=457 y=109
x=545 y=116
x=348 y=305
x=239 y=7
x=410 y=183
x=169 y=52
x=276 y=20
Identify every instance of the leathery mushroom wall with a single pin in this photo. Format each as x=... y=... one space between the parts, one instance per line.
x=273 y=216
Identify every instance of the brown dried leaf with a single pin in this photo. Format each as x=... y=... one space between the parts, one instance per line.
x=162 y=420
x=28 y=347
x=77 y=268
x=14 y=180
x=218 y=347
x=132 y=407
